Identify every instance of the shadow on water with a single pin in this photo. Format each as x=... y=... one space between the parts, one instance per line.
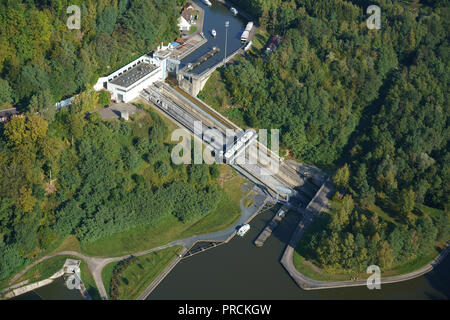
x=439 y=279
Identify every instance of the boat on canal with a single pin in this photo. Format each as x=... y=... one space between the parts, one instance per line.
x=243 y=230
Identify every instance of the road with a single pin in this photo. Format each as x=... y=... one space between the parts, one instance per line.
x=313 y=209
x=97 y=264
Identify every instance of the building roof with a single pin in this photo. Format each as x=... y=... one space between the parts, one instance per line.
x=182 y=22
x=185 y=13
x=136 y=73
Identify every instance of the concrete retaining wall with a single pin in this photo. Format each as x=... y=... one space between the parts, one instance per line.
x=33 y=286
x=197 y=81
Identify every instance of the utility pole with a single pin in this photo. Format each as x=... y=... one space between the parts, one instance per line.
x=227 y=24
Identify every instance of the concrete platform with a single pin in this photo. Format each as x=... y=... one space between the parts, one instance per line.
x=114 y=111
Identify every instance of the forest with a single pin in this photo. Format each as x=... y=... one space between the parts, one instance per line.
x=92 y=179
x=43 y=61
x=371 y=106
x=68 y=172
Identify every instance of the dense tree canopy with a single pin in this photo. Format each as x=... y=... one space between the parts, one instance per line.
x=108 y=180
x=38 y=52
x=341 y=94
x=373 y=104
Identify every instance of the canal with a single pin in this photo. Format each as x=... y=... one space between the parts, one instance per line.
x=240 y=270
x=57 y=290
x=215 y=17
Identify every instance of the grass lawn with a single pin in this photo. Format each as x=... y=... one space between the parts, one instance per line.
x=312 y=271
x=309 y=270
x=382 y=214
x=107 y=274
x=71 y=243
x=139 y=275
x=432 y=212
x=44 y=269
x=88 y=281
x=260 y=40
x=170 y=228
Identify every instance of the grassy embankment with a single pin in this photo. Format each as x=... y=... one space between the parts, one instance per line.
x=169 y=229
x=140 y=274
x=311 y=269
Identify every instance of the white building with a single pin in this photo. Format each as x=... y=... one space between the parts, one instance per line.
x=183 y=24
x=126 y=83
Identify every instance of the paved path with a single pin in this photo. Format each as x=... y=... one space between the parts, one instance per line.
x=96 y=264
x=309 y=284
x=313 y=209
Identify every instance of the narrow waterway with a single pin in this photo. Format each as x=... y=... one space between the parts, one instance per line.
x=215 y=17
x=240 y=270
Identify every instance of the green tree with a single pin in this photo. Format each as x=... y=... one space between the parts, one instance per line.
x=342 y=176
x=385 y=257
x=5 y=93
x=406 y=201
x=43 y=103
x=163 y=169
x=107 y=20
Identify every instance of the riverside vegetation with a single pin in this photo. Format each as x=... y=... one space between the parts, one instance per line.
x=68 y=173
x=370 y=105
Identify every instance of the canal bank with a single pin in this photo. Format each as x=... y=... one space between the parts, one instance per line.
x=240 y=270
x=215 y=18
x=57 y=290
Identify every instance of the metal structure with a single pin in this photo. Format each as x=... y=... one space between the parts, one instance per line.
x=227 y=24
x=285 y=191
